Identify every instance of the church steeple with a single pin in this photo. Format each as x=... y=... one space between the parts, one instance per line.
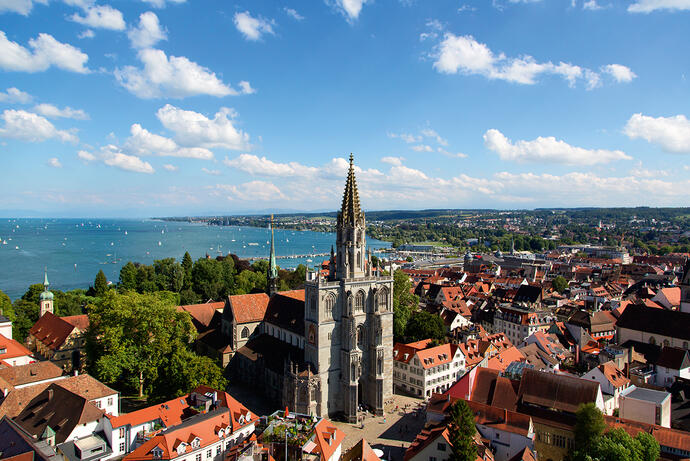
x=350 y=241
x=272 y=276
x=46 y=297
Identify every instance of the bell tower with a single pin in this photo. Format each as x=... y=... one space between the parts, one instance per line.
x=350 y=240
x=46 y=297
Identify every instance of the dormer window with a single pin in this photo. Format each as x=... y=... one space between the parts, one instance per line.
x=157 y=453
x=241 y=419
x=196 y=443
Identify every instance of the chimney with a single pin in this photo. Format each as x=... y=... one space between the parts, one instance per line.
x=50 y=394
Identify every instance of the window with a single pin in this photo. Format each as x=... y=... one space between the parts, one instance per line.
x=313 y=303
x=122 y=447
x=361 y=336
x=383 y=300
x=218 y=450
x=122 y=432
x=110 y=401
x=441 y=447
x=359 y=302
x=432 y=458
x=197 y=457
x=209 y=453
x=245 y=333
x=330 y=335
x=330 y=304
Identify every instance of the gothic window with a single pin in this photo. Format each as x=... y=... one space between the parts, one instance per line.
x=245 y=333
x=313 y=303
x=383 y=299
x=361 y=336
x=379 y=365
x=330 y=303
x=359 y=302
x=652 y=341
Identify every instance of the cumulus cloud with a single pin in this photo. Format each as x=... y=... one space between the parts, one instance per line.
x=112 y=155
x=170 y=167
x=54 y=162
x=87 y=33
x=465 y=55
x=548 y=149
x=173 y=77
x=22 y=7
x=143 y=142
x=30 y=127
x=293 y=13
x=251 y=191
x=619 y=72
x=52 y=111
x=648 y=6
x=671 y=133
x=195 y=129
x=148 y=32
x=255 y=165
x=45 y=52
x=252 y=28
x=14 y=95
x=100 y=17
x=246 y=88
x=349 y=8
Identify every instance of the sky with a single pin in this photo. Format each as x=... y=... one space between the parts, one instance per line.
x=189 y=107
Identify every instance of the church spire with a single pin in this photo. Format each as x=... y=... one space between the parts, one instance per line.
x=350 y=209
x=272 y=275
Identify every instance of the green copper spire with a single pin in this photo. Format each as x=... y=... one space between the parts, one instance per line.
x=46 y=294
x=272 y=266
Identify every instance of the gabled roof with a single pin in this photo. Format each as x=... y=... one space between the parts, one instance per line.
x=58 y=408
x=657 y=321
x=425 y=438
x=286 y=310
x=86 y=386
x=504 y=358
x=13 y=349
x=491 y=389
x=30 y=373
x=560 y=392
x=536 y=357
x=674 y=358
x=202 y=314
x=78 y=321
x=438 y=355
x=52 y=331
x=524 y=455
x=362 y=451
x=247 y=308
x=17 y=445
x=615 y=376
x=327 y=438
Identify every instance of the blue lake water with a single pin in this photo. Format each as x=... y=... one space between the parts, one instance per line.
x=74 y=250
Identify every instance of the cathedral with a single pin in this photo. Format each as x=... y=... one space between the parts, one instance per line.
x=335 y=337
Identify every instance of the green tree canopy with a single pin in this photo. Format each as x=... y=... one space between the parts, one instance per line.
x=423 y=325
x=6 y=308
x=404 y=303
x=33 y=293
x=589 y=425
x=26 y=313
x=131 y=336
x=100 y=285
x=128 y=277
x=462 y=430
x=559 y=284
x=169 y=274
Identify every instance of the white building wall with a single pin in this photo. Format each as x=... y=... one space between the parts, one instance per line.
x=505 y=444
x=432 y=451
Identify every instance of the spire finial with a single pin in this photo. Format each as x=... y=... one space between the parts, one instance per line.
x=45 y=278
x=352 y=159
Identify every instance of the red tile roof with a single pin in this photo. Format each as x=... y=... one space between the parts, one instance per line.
x=613 y=374
x=202 y=313
x=12 y=348
x=30 y=373
x=501 y=360
x=248 y=308
x=671 y=438
x=52 y=331
x=79 y=321
x=327 y=438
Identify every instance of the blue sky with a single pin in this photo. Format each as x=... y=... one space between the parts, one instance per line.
x=162 y=107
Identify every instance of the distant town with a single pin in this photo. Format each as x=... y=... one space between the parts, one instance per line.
x=480 y=335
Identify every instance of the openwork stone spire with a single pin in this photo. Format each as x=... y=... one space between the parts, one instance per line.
x=350 y=210
x=272 y=266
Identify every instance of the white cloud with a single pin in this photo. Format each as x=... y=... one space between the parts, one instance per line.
x=148 y=32
x=671 y=133
x=647 y=6
x=255 y=165
x=395 y=161
x=86 y=156
x=211 y=172
x=161 y=3
x=246 y=88
x=640 y=172
x=408 y=138
x=52 y=111
x=451 y=154
x=463 y=54
x=251 y=191
x=100 y=17
x=591 y=5
x=170 y=167
x=46 y=52
x=548 y=149
x=429 y=133
x=143 y=142
x=128 y=163
x=174 y=77
x=293 y=14
x=27 y=126
x=422 y=148
x=54 y=162
x=14 y=95
x=252 y=28
x=195 y=129
x=349 y=8
x=466 y=7
x=619 y=72
x=87 y=33
x=22 y=7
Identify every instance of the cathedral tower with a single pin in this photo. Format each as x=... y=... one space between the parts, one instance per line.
x=272 y=275
x=349 y=321
x=46 y=297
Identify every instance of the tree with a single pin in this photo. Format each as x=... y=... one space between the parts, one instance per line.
x=131 y=337
x=6 y=308
x=404 y=303
x=559 y=284
x=128 y=277
x=185 y=370
x=187 y=265
x=423 y=325
x=71 y=302
x=169 y=274
x=208 y=280
x=100 y=285
x=461 y=432
x=26 y=313
x=589 y=425
x=649 y=447
x=33 y=294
